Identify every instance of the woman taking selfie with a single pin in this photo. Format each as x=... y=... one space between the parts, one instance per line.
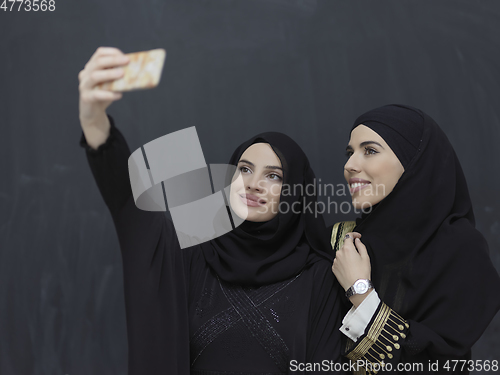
x=427 y=288
x=248 y=302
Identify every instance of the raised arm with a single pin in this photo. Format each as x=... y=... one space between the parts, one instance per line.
x=143 y=235
x=104 y=65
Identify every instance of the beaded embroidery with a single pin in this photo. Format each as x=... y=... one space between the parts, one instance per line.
x=246 y=306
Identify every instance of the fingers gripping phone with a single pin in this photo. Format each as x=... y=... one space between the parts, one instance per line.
x=142 y=72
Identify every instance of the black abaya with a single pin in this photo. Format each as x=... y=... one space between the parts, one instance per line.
x=182 y=317
x=430 y=266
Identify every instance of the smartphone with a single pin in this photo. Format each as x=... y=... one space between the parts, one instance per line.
x=142 y=72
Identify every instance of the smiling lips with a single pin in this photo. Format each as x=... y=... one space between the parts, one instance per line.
x=357 y=184
x=252 y=200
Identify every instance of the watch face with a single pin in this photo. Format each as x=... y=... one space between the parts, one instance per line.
x=360 y=287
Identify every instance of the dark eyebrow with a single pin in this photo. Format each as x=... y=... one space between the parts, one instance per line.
x=266 y=167
x=246 y=161
x=273 y=167
x=370 y=142
x=349 y=147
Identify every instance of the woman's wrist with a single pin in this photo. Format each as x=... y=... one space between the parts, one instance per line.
x=357 y=299
x=96 y=132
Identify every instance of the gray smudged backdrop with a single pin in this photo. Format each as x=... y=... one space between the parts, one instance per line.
x=234 y=68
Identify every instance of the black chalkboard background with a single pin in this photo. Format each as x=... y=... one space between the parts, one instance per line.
x=234 y=68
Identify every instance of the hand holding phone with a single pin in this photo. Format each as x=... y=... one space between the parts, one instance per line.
x=108 y=72
x=142 y=72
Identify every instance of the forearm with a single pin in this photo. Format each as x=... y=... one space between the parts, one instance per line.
x=109 y=166
x=97 y=132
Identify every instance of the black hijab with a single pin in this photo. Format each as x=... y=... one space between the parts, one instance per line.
x=429 y=263
x=259 y=253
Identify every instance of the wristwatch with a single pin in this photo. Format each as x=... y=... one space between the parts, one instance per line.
x=360 y=286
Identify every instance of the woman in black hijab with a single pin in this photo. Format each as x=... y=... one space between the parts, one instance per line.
x=260 y=299
x=435 y=288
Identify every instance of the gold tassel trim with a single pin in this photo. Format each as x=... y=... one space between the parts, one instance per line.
x=382 y=337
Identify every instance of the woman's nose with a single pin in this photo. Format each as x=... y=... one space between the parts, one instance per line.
x=253 y=183
x=352 y=165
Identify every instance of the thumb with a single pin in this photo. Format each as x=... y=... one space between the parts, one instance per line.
x=361 y=248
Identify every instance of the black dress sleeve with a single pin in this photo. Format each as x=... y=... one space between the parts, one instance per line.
x=325 y=338
x=139 y=232
x=109 y=167
x=390 y=341
x=154 y=267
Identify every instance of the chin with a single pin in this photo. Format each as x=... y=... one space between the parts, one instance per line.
x=361 y=205
x=265 y=214
x=255 y=219
x=364 y=205
x=258 y=217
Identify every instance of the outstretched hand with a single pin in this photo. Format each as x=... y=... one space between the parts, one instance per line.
x=106 y=64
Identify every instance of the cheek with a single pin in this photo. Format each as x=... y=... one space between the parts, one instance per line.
x=274 y=192
x=237 y=184
x=390 y=174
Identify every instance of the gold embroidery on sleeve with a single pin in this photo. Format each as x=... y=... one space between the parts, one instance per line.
x=339 y=231
x=382 y=338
